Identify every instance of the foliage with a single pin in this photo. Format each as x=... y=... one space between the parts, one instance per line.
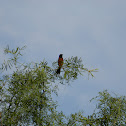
x=26 y=93
x=111 y=110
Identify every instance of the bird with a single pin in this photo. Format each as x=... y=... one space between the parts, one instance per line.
x=60 y=63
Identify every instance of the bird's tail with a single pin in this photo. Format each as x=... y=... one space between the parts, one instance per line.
x=58 y=70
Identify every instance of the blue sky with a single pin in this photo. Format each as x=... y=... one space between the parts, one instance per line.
x=94 y=30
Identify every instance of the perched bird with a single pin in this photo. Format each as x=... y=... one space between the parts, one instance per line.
x=60 y=63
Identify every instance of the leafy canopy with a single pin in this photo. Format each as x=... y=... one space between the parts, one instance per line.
x=26 y=92
x=26 y=95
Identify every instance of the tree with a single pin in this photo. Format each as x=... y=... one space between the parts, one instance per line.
x=26 y=92
x=26 y=95
x=110 y=111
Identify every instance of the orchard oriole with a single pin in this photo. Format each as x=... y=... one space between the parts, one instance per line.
x=60 y=63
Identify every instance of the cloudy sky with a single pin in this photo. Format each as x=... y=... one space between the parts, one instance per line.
x=94 y=30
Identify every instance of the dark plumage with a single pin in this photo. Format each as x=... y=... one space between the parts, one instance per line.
x=60 y=63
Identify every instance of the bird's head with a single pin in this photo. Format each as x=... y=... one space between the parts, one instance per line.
x=61 y=55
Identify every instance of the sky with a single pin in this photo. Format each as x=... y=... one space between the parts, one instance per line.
x=94 y=30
